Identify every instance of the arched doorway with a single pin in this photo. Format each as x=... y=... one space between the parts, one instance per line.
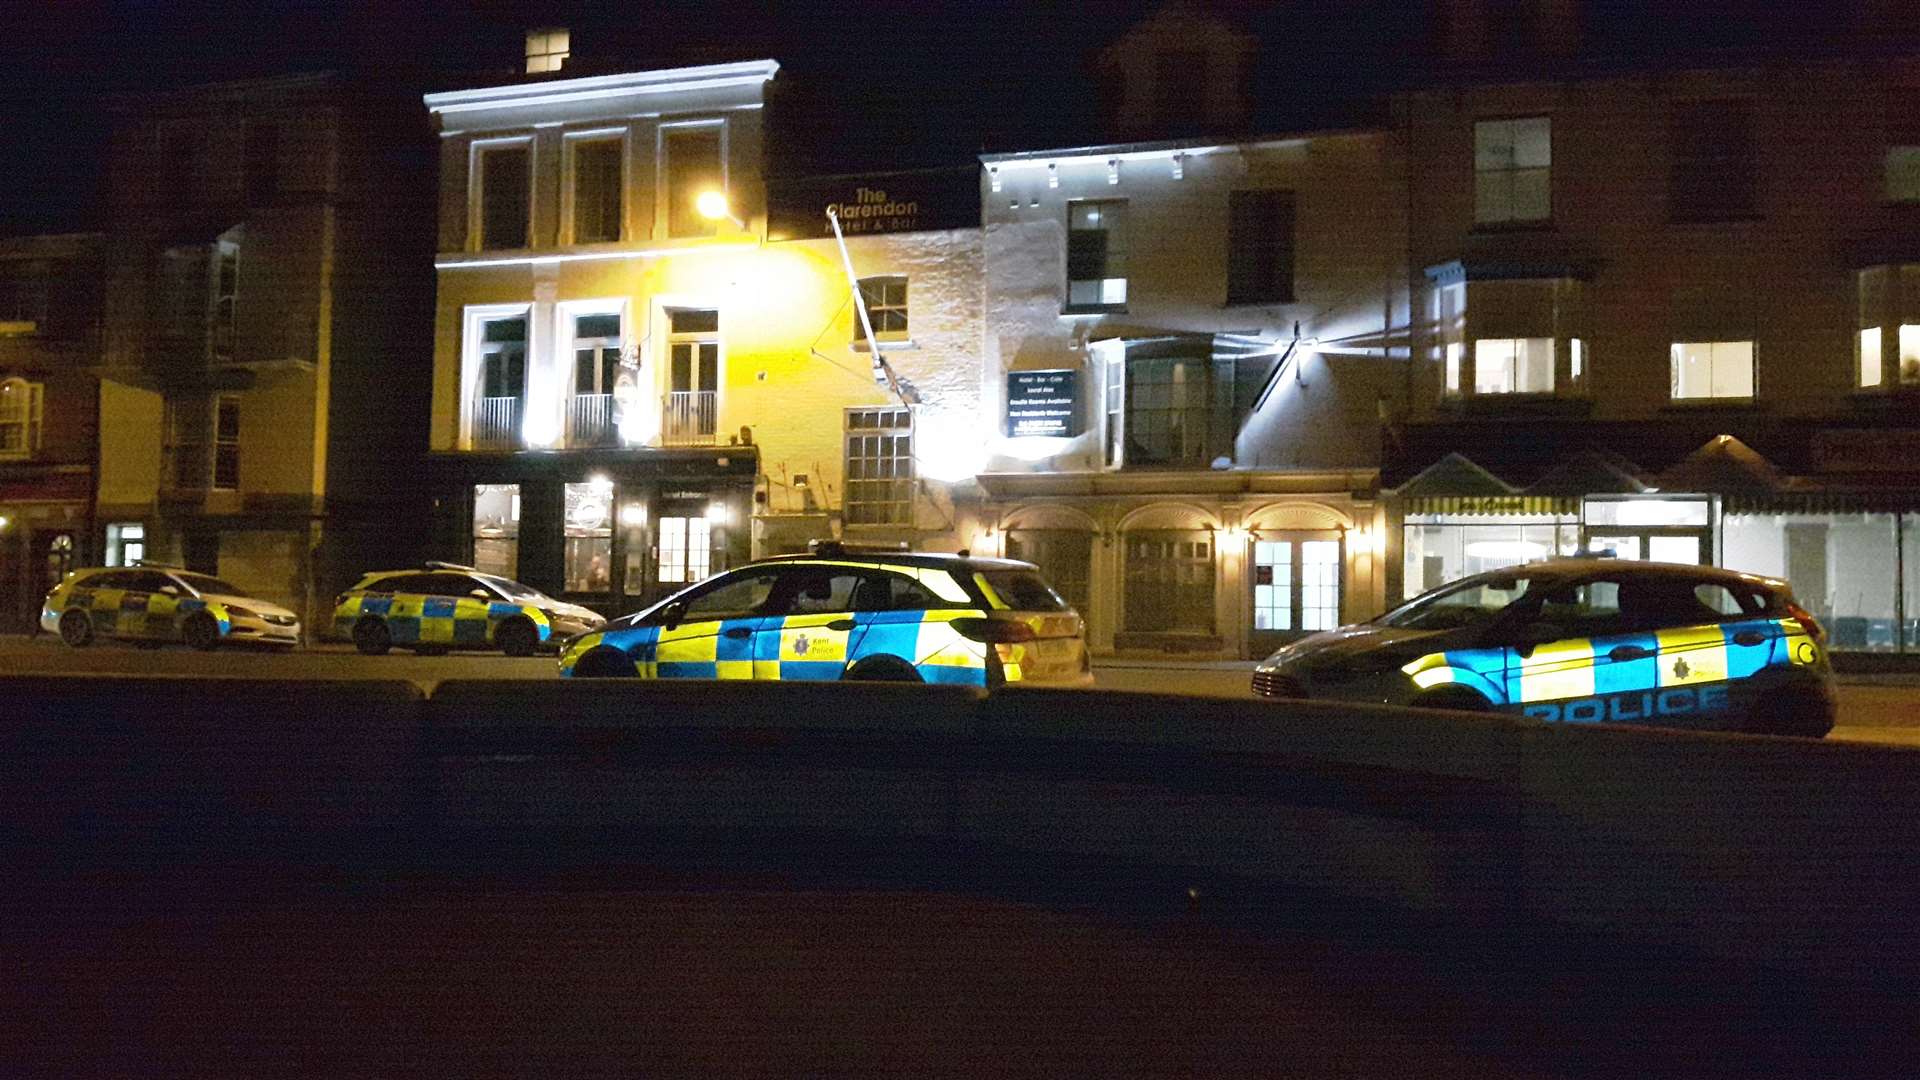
x=1297 y=573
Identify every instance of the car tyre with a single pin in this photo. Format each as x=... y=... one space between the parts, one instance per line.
x=200 y=632
x=882 y=669
x=517 y=637
x=371 y=637
x=1459 y=699
x=605 y=662
x=76 y=629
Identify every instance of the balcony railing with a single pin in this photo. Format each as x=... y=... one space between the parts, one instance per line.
x=689 y=418
x=590 y=421
x=496 y=424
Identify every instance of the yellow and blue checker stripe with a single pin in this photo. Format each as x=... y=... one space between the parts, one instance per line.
x=133 y=613
x=798 y=647
x=417 y=619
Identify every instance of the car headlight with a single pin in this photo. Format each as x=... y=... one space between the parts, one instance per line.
x=234 y=611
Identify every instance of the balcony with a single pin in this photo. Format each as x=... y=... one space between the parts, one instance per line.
x=689 y=418
x=496 y=424
x=590 y=421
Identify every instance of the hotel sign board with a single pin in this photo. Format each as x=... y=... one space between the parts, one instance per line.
x=924 y=200
x=1042 y=403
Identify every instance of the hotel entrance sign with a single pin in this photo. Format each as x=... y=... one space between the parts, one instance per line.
x=1042 y=403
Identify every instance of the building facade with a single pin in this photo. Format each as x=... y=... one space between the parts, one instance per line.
x=49 y=388
x=1705 y=350
x=265 y=333
x=634 y=386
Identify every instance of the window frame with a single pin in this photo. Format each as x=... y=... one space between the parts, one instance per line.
x=895 y=510
x=1068 y=306
x=223 y=301
x=476 y=189
x=27 y=413
x=1510 y=174
x=663 y=172
x=571 y=143
x=903 y=335
x=1753 y=373
x=225 y=448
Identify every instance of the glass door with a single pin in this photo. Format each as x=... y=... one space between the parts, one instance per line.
x=1296 y=587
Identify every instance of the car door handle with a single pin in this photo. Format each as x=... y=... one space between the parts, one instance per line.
x=841 y=624
x=1629 y=652
x=1749 y=637
x=737 y=631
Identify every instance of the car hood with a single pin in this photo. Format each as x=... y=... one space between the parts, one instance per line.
x=571 y=611
x=1352 y=641
x=258 y=607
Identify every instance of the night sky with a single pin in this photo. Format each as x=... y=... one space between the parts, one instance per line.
x=869 y=84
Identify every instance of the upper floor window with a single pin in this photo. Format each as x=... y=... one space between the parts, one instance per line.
x=1509 y=336
x=19 y=418
x=1888 y=344
x=1706 y=370
x=547 y=49
x=1176 y=411
x=505 y=214
x=879 y=479
x=262 y=161
x=694 y=166
x=226 y=442
x=1260 y=247
x=597 y=188
x=886 y=302
x=1513 y=365
x=226 y=287
x=1512 y=170
x=1097 y=255
x=1711 y=147
x=23 y=297
x=1903 y=173
x=693 y=378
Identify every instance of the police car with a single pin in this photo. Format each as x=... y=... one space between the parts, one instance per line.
x=842 y=613
x=150 y=603
x=1583 y=641
x=448 y=606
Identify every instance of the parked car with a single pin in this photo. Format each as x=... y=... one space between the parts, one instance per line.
x=446 y=606
x=151 y=603
x=838 y=613
x=1583 y=641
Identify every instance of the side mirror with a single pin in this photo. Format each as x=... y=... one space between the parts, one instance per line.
x=670 y=615
x=480 y=594
x=170 y=590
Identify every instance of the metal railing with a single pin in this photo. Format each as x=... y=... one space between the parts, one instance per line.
x=496 y=424
x=590 y=421
x=689 y=418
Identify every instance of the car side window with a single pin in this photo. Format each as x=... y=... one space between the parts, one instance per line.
x=150 y=581
x=1658 y=604
x=118 y=579
x=819 y=589
x=447 y=584
x=1728 y=601
x=894 y=592
x=742 y=594
x=403 y=583
x=1584 y=609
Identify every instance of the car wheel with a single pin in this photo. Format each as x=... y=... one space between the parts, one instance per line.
x=882 y=669
x=1459 y=699
x=605 y=662
x=200 y=632
x=76 y=629
x=371 y=637
x=517 y=637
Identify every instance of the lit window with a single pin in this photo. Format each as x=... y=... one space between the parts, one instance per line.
x=685 y=546
x=1903 y=174
x=1512 y=170
x=886 y=301
x=1455 y=350
x=505 y=209
x=1097 y=255
x=693 y=167
x=496 y=529
x=1578 y=360
x=126 y=543
x=1704 y=370
x=589 y=534
x=547 y=50
x=19 y=418
x=598 y=189
x=1870 y=356
x=1513 y=366
x=1909 y=353
x=880 y=474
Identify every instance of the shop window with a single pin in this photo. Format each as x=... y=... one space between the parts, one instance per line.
x=685 y=548
x=126 y=543
x=633 y=545
x=1097 y=255
x=693 y=167
x=1169 y=582
x=1710 y=145
x=503 y=196
x=1260 y=247
x=496 y=529
x=880 y=473
x=1438 y=552
x=1513 y=366
x=1706 y=370
x=1513 y=170
x=1064 y=556
x=1842 y=567
x=886 y=302
x=589 y=537
x=597 y=187
x=19 y=418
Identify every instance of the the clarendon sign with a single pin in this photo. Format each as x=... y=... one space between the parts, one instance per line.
x=897 y=202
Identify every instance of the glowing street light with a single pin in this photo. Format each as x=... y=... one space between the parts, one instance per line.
x=713 y=206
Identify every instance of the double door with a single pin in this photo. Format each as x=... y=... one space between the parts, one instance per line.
x=1296 y=586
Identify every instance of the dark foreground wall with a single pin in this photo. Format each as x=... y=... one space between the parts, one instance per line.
x=1764 y=851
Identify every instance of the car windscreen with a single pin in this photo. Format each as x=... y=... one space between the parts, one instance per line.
x=1465 y=603
x=1023 y=590
x=201 y=583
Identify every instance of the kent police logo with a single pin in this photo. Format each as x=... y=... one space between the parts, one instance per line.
x=800 y=645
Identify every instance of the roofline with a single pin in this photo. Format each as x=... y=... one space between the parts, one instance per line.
x=656 y=81
x=133 y=100
x=1167 y=147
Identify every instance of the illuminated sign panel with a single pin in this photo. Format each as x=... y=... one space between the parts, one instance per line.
x=1042 y=403
x=899 y=202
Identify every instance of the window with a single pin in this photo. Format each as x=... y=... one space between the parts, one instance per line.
x=693 y=378
x=685 y=543
x=886 y=302
x=1513 y=366
x=19 y=418
x=496 y=529
x=1512 y=170
x=745 y=593
x=1176 y=411
x=226 y=285
x=1169 y=582
x=1869 y=363
x=1712 y=369
x=589 y=529
x=1450 y=326
x=1114 y=370
x=1470 y=603
x=1888 y=350
x=819 y=590
x=1097 y=255
x=187 y=442
x=693 y=167
x=598 y=188
x=1903 y=173
x=126 y=543
x=1064 y=556
x=879 y=467
x=1443 y=550
x=505 y=209
x=1296 y=584
x=596 y=353
x=502 y=382
x=262 y=161
x=1577 y=361
x=1260 y=247
x=1023 y=590
x=1711 y=145
x=226 y=443
x=897 y=592
x=23 y=297
x=547 y=50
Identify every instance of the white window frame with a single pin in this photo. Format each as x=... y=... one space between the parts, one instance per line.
x=223 y=308
x=570 y=145
x=475 y=318
x=1103 y=305
x=570 y=312
x=905 y=308
x=1483 y=346
x=849 y=433
x=1510 y=169
x=1753 y=376
x=118 y=542
x=475 y=207
x=20 y=406
x=663 y=205
x=683 y=561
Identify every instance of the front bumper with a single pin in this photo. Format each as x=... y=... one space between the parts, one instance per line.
x=260 y=631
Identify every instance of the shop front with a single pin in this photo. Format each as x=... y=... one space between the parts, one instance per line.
x=44 y=526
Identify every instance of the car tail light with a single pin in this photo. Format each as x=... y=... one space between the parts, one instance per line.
x=1807 y=622
x=995 y=631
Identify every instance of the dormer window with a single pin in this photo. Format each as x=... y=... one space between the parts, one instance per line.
x=547 y=49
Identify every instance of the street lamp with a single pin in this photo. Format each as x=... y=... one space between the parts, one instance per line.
x=713 y=206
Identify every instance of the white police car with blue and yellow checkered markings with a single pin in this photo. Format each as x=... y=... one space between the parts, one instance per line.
x=149 y=603
x=446 y=606
x=1583 y=641
x=909 y=617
